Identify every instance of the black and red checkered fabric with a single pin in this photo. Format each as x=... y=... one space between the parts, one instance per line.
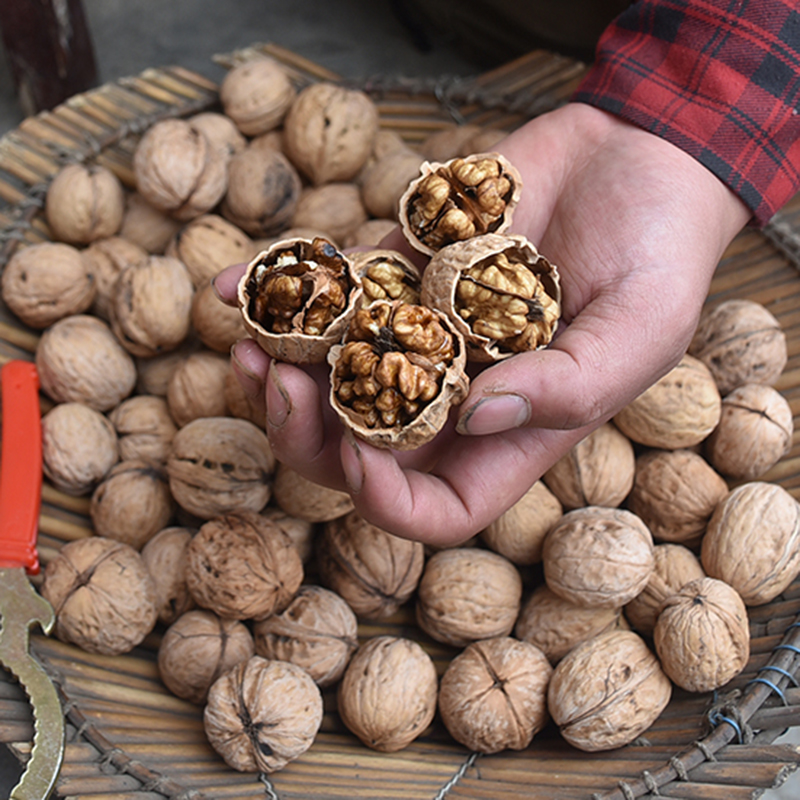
x=718 y=78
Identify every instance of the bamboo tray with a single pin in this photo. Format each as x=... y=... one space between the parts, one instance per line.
x=129 y=739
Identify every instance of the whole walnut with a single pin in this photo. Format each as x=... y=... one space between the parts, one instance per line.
x=178 y=170
x=154 y=372
x=300 y=531
x=607 y=691
x=147 y=226
x=674 y=493
x=307 y=500
x=165 y=558
x=374 y=571
x=740 y=341
x=79 y=447
x=754 y=432
x=220 y=464
x=218 y=325
x=132 y=503
x=752 y=541
x=197 y=387
x=197 y=648
x=598 y=557
x=387 y=695
x=493 y=695
x=105 y=259
x=448 y=141
x=335 y=208
x=102 y=594
x=598 y=471
x=221 y=131
x=370 y=233
x=145 y=428
x=329 y=131
x=45 y=282
x=556 y=625
x=243 y=566
x=384 y=182
x=79 y=359
x=261 y=714
x=466 y=594
x=702 y=635
x=316 y=631
x=679 y=410
x=518 y=533
x=84 y=202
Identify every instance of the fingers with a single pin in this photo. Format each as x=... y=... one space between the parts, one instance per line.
x=226 y=283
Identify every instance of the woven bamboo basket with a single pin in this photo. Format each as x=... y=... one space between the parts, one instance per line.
x=129 y=739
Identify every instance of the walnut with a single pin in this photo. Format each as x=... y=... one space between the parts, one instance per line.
x=499 y=292
x=598 y=471
x=145 y=429
x=262 y=714
x=79 y=447
x=679 y=410
x=384 y=182
x=369 y=234
x=675 y=492
x=598 y=557
x=752 y=541
x=199 y=647
x=457 y=200
x=152 y=305
x=256 y=95
x=374 y=571
x=740 y=341
x=147 y=226
x=702 y=635
x=154 y=372
x=316 y=631
x=102 y=594
x=387 y=275
x=84 y=202
x=218 y=325
x=79 y=359
x=208 y=244
x=518 y=533
x=607 y=691
x=335 y=208
x=307 y=500
x=297 y=298
x=387 y=696
x=45 y=282
x=197 y=387
x=329 y=131
x=466 y=594
x=220 y=464
x=221 y=131
x=132 y=504
x=243 y=566
x=241 y=405
x=397 y=373
x=105 y=259
x=754 y=432
x=165 y=558
x=556 y=625
x=448 y=141
x=300 y=531
x=483 y=140
x=675 y=566
x=493 y=695
x=178 y=170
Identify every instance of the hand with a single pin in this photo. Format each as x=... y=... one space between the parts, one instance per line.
x=636 y=227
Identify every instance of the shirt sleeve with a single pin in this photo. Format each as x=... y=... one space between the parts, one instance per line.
x=718 y=78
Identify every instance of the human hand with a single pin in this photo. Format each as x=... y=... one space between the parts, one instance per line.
x=636 y=227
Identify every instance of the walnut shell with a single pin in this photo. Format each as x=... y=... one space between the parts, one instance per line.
x=300 y=531
x=147 y=226
x=335 y=208
x=466 y=594
x=316 y=631
x=752 y=541
x=448 y=141
x=598 y=557
x=154 y=372
x=607 y=691
x=493 y=695
x=370 y=233
x=197 y=648
x=307 y=500
x=384 y=182
x=217 y=325
x=262 y=714
x=105 y=259
x=702 y=635
x=102 y=594
x=387 y=696
x=145 y=429
x=197 y=387
x=221 y=131
x=165 y=558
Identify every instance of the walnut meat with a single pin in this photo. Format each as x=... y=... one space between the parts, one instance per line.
x=500 y=293
x=262 y=714
x=316 y=631
x=607 y=691
x=702 y=635
x=102 y=594
x=243 y=566
x=387 y=275
x=387 y=696
x=307 y=500
x=145 y=428
x=397 y=373
x=165 y=558
x=493 y=695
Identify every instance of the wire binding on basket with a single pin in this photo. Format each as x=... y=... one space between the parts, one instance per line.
x=269 y=789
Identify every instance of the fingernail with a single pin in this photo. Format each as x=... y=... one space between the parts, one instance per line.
x=279 y=405
x=250 y=382
x=494 y=414
x=352 y=463
x=214 y=288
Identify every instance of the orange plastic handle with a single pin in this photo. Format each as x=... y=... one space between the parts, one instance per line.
x=20 y=466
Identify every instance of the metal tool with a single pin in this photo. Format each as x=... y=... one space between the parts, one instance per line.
x=21 y=606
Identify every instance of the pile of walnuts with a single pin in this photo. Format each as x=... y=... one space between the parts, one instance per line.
x=583 y=604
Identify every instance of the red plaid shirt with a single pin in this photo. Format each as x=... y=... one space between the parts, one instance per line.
x=718 y=78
